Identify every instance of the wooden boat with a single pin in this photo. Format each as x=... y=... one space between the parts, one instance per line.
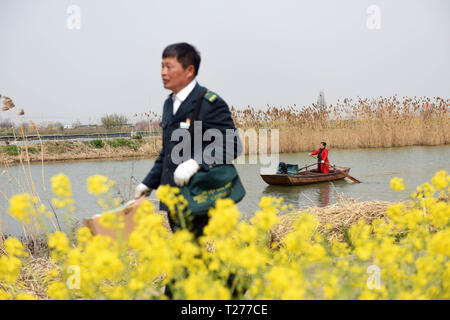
x=305 y=177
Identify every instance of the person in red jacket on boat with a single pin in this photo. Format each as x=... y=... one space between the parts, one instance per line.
x=322 y=158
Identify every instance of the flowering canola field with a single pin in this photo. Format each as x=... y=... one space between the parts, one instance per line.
x=405 y=256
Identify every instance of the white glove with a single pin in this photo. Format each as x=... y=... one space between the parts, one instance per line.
x=309 y=154
x=185 y=171
x=323 y=161
x=142 y=190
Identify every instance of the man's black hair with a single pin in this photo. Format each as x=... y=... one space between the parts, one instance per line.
x=185 y=53
x=324 y=144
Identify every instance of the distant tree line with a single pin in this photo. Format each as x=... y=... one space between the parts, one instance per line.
x=108 y=121
x=114 y=120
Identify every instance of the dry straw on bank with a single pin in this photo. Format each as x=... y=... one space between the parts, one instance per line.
x=34 y=276
x=340 y=216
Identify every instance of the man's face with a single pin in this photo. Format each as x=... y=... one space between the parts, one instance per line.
x=174 y=76
x=322 y=146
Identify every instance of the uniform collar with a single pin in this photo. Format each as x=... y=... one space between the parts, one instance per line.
x=184 y=93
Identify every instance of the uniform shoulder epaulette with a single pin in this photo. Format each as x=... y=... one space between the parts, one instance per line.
x=210 y=96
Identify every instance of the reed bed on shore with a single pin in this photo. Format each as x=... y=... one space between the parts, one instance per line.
x=359 y=123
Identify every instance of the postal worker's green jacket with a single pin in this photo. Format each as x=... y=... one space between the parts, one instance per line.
x=214 y=114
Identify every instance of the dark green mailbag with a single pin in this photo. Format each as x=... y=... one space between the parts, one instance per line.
x=205 y=187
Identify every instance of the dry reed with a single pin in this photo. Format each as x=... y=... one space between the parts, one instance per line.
x=33 y=276
x=360 y=123
x=341 y=216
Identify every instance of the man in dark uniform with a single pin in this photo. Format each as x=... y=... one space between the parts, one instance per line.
x=180 y=66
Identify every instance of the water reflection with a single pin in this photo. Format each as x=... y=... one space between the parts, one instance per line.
x=317 y=194
x=324 y=195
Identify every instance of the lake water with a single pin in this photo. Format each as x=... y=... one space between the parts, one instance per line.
x=373 y=167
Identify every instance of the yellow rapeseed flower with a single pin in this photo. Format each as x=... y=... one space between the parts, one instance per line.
x=440 y=180
x=25 y=296
x=58 y=291
x=397 y=184
x=106 y=265
x=112 y=220
x=223 y=218
x=22 y=207
x=59 y=243
x=9 y=268
x=266 y=218
x=84 y=235
x=98 y=184
x=5 y=295
x=410 y=245
x=14 y=247
x=61 y=186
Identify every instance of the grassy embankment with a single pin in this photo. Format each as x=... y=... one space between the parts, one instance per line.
x=81 y=150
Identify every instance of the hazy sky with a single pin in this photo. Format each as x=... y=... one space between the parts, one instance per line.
x=253 y=52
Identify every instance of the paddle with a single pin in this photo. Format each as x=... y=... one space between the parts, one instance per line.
x=314 y=164
x=345 y=174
